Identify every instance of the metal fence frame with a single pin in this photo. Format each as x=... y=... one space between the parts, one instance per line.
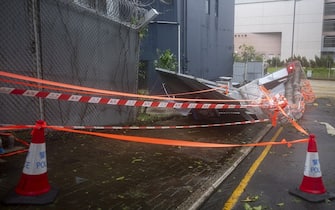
x=62 y=41
x=248 y=71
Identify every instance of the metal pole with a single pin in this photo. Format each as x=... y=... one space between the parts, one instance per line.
x=36 y=25
x=179 y=50
x=293 y=26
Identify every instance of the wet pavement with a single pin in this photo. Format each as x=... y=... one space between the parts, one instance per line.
x=282 y=169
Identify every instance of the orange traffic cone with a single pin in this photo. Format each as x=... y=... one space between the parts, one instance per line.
x=312 y=188
x=34 y=187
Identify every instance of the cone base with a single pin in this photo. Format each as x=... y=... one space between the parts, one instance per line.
x=46 y=198
x=312 y=197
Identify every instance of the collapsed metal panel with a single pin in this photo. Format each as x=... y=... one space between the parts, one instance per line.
x=285 y=88
x=181 y=83
x=186 y=86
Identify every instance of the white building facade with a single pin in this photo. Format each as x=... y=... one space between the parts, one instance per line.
x=296 y=27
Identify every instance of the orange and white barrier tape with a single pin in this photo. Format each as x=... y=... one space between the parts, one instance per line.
x=13 y=153
x=124 y=102
x=167 y=142
x=169 y=96
x=173 y=142
x=26 y=144
x=47 y=84
x=79 y=127
x=185 y=104
x=307 y=92
x=280 y=108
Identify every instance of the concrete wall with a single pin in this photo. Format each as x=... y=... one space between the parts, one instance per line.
x=272 y=48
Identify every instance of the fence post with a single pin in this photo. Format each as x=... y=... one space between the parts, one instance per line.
x=37 y=41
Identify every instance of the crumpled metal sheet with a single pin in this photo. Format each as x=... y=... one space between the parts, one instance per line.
x=284 y=88
x=286 y=91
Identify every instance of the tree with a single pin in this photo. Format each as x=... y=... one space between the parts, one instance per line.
x=275 y=62
x=323 y=61
x=303 y=60
x=248 y=53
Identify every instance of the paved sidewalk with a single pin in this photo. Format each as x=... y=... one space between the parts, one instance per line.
x=98 y=173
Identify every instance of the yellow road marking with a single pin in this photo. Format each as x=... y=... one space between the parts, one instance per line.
x=240 y=188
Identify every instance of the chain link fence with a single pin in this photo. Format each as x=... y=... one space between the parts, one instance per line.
x=127 y=12
x=81 y=42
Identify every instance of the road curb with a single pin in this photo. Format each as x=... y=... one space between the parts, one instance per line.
x=197 y=198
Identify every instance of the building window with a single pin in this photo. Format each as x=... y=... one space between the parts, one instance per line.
x=329 y=41
x=216 y=8
x=329 y=25
x=207 y=7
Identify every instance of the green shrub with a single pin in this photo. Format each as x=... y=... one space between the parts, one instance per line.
x=166 y=60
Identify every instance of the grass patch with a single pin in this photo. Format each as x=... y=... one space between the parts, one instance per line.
x=317 y=73
x=322 y=73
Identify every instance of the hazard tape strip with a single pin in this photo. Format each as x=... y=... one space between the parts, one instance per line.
x=79 y=127
x=16 y=139
x=294 y=123
x=164 y=127
x=6 y=127
x=172 y=142
x=7 y=154
x=167 y=142
x=14 y=153
x=39 y=86
x=123 y=102
x=108 y=92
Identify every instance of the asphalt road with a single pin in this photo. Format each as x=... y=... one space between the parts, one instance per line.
x=264 y=178
x=323 y=88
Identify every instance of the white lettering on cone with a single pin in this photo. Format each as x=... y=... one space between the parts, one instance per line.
x=312 y=165
x=36 y=161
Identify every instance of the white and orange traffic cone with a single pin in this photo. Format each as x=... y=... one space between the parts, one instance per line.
x=34 y=187
x=312 y=187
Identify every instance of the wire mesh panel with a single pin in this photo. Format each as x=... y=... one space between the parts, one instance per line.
x=247 y=71
x=17 y=55
x=239 y=72
x=67 y=42
x=255 y=70
x=127 y=12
